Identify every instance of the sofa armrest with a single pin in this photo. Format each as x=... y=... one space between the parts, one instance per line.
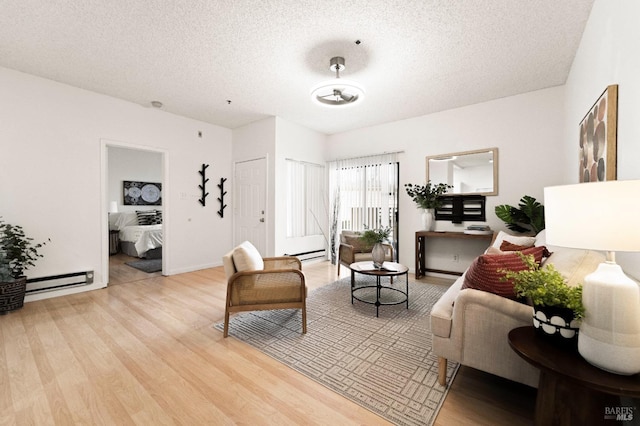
x=479 y=326
x=493 y=304
x=442 y=312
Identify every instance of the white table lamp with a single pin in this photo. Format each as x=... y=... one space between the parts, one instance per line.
x=113 y=207
x=602 y=216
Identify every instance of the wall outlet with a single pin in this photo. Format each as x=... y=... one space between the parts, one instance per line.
x=456 y=257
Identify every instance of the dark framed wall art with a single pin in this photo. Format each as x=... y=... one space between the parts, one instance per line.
x=142 y=193
x=598 y=138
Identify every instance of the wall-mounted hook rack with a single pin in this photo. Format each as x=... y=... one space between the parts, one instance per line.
x=221 y=197
x=203 y=172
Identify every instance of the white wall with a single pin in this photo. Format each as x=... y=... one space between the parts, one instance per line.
x=608 y=54
x=51 y=169
x=527 y=129
x=276 y=139
x=132 y=165
x=297 y=143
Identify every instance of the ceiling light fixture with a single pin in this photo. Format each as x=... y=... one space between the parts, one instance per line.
x=338 y=91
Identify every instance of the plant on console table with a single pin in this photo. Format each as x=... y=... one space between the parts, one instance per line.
x=428 y=198
x=376 y=238
x=18 y=253
x=557 y=306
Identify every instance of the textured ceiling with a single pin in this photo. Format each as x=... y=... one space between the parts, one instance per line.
x=415 y=57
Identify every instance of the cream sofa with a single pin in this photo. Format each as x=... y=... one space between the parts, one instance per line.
x=470 y=326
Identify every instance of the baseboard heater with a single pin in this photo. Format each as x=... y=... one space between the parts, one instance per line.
x=56 y=282
x=309 y=255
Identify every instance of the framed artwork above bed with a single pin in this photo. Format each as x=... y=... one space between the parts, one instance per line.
x=142 y=193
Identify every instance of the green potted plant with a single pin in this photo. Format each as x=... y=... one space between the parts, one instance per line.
x=18 y=253
x=527 y=217
x=557 y=306
x=376 y=238
x=428 y=198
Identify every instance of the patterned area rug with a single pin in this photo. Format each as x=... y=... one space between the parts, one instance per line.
x=384 y=364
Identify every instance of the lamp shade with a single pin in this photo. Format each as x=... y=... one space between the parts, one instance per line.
x=113 y=207
x=597 y=216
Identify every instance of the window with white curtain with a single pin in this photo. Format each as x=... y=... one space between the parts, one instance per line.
x=305 y=206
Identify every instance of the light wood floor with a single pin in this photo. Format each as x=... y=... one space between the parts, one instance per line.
x=143 y=351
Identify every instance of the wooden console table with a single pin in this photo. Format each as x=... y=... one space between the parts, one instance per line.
x=421 y=240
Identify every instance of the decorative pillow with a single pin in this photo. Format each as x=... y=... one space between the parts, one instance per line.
x=521 y=241
x=541 y=238
x=247 y=258
x=126 y=219
x=158 y=217
x=359 y=246
x=494 y=250
x=575 y=264
x=485 y=273
x=509 y=246
x=146 y=217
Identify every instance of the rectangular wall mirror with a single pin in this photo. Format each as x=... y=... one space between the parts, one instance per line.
x=469 y=172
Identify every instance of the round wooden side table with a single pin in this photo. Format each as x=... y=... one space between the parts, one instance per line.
x=571 y=391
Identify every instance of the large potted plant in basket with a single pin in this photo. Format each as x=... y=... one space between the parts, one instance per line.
x=18 y=253
x=557 y=306
x=428 y=198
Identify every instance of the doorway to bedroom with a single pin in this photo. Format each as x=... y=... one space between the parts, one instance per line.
x=134 y=182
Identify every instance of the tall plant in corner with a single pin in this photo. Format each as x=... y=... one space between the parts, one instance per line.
x=527 y=217
x=18 y=253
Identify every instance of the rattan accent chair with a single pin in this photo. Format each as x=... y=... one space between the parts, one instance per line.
x=257 y=284
x=352 y=250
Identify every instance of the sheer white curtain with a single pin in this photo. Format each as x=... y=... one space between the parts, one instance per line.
x=363 y=193
x=305 y=189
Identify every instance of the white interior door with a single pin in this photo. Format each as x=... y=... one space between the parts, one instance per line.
x=250 y=203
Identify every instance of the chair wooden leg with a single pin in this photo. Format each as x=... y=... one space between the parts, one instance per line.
x=226 y=322
x=442 y=371
x=304 y=320
x=338 y=268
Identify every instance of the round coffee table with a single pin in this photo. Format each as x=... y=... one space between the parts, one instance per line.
x=383 y=294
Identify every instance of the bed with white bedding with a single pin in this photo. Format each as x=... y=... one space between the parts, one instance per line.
x=136 y=239
x=143 y=238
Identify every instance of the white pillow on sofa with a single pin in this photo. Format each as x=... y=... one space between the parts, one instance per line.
x=513 y=239
x=541 y=238
x=575 y=264
x=246 y=257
